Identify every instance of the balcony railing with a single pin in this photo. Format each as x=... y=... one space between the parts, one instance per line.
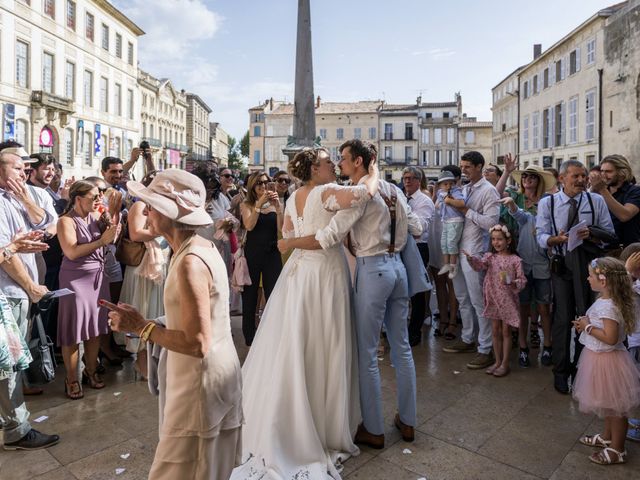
x=436 y=121
x=153 y=142
x=400 y=161
x=199 y=157
x=40 y=98
x=176 y=146
x=388 y=136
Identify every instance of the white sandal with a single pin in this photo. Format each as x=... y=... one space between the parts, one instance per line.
x=603 y=457
x=595 y=441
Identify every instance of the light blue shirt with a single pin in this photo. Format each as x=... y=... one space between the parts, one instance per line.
x=447 y=212
x=534 y=259
x=544 y=223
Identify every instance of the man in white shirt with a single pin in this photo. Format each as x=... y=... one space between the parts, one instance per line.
x=482 y=211
x=424 y=208
x=381 y=291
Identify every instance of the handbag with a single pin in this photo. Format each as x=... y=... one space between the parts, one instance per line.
x=128 y=251
x=42 y=369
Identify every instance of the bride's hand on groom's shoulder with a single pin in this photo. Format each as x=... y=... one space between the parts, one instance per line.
x=283 y=245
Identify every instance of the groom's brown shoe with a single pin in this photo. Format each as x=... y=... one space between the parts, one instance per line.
x=365 y=438
x=405 y=430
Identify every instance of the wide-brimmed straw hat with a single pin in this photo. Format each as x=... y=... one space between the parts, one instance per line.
x=176 y=194
x=21 y=152
x=547 y=177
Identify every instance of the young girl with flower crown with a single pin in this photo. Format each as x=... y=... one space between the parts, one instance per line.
x=607 y=383
x=502 y=283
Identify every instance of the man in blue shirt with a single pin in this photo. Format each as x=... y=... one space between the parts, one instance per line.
x=557 y=214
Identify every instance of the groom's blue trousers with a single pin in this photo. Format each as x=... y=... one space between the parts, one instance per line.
x=381 y=295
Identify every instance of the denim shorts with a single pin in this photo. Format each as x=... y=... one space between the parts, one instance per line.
x=450 y=239
x=537 y=290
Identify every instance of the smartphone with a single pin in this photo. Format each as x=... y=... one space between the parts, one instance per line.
x=271 y=187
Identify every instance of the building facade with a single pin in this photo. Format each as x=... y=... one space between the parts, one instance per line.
x=197 y=128
x=163 y=115
x=398 y=127
x=219 y=144
x=506 y=124
x=476 y=136
x=68 y=80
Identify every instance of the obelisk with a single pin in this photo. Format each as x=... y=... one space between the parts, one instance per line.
x=304 y=114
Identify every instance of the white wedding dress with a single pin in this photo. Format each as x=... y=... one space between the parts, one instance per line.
x=300 y=385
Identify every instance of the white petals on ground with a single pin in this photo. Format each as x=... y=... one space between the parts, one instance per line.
x=406 y=451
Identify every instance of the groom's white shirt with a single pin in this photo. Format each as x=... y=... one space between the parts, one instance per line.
x=370 y=224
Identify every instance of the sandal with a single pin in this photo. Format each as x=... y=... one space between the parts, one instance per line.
x=595 y=441
x=501 y=371
x=604 y=457
x=73 y=390
x=448 y=334
x=93 y=379
x=491 y=369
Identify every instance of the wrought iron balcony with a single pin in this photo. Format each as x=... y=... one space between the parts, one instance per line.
x=153 y=142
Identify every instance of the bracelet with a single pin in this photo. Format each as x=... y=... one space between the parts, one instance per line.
x=588 y=329
x=146 y=331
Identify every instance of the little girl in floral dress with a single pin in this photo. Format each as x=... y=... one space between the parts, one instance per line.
x=502 y=283
x=607 y=383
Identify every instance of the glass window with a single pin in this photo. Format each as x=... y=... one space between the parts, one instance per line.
x=47 y=73
x=323 y=133
x=118 y=45
x=50 y=8
x=105 y=37
x=469 y=137
x=525 y=133
x=437 y=158
x=425 y=136
x=591 y=51
x=89 y=26
x=256 y=131
x=69 y=80
x=388 y=131
x=22 y=64
x=104 y=94
x=357 y=133
x=340 y=133
x=450 y=136
x=437 y=136
x=590 y=118
x=71 y=14
x=535 y=125
x=425 y=158
x=573 y=119
x=117 y=100
x=68 y=146
x=372 y=133
x=88 y=148
x=408 y=154
x=130 y=53
x=388 y=155
x=88 y=88
x=22 y=133
x=256 y=157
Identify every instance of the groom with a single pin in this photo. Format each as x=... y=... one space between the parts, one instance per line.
x=381 y=290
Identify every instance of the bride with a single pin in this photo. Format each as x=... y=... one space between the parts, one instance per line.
x=300 y=394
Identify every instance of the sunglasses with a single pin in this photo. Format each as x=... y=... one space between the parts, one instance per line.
x=227 y=175
x=94 y=198
x=262 y=183
x=284 y=180
x=528 y=175
x=102 y=190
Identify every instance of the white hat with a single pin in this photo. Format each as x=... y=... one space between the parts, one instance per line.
x=21 y=152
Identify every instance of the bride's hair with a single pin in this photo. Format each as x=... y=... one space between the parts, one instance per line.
x=300 y=165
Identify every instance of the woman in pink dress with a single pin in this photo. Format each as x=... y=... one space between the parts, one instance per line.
x=502 y=282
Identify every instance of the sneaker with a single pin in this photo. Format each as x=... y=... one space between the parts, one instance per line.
x=481 y=360
x=460 y=347
x=453 y=270
x=546 y=357
x=445 y=269
x=633 y=434
x=523 y=359
x=634 y=422
x=33 y=440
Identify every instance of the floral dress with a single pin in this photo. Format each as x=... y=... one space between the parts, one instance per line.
x=14 y=354
x=502 y=282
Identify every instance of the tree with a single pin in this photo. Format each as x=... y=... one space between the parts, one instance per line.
x=235 y=156
x=244 y=145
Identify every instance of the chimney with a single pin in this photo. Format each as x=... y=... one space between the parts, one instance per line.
x=537 y=50
x=318 y=102
x=271 y=103
x=419 y=100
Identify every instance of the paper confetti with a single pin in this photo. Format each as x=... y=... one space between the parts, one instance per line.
x=115 y=394
x=124 y=456
x=457 y=372
x=41 y=419
x=120 y=471
x=406 y=451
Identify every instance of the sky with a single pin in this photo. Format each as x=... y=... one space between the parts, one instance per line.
x=236 y=53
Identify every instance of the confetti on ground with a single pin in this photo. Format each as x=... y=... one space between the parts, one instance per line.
x=115 y=394
x=457 y=372
x=120 y=471
x=41 y=419
x=406 y=451
x=422 y=478
x=124 y=456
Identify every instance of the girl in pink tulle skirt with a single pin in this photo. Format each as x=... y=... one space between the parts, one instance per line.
x=608 y=382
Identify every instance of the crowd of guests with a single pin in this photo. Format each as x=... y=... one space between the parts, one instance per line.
x=502 y=245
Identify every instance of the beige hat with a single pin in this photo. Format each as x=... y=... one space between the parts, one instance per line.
x=176 y=194
x=547 y=177
x=21 y=152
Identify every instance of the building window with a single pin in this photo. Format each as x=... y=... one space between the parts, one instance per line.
x=115 y=151
x=21 y=133
x=408 y=154
x=388 y=131
x=408 y=131
x=129 y=147
x=545 y=78
x=449 y=157
x=105 y=37
x=22 y=64
x=445 y=115
x=573 y=119
x=450 y=136
x=425 y=158
x=559 y=124
x=89 y=21
x=256 y=131
x=50 y=8
x=323 y=133
x=88 y=148
x=388 y=155
x=130 y=104
x=47 y=72
x=437 y=158
x=535 y=84
x=425 y=136
x=372 y=133
x=560 y=70
x=590 y=118
x=437 y=136
x=69 y=80
x=68 y=146
x=357 y=133
x=469 y=137
x=574 y=61
x=535 y=125
x=130 y=53
x=591 y=51
x=117 y=100
x=71 y=14
x=547 y=127
x=118 y=45
x=340 y=133
x=104 y=94
x=525 y=90
x=88 y=88
x=256 y=157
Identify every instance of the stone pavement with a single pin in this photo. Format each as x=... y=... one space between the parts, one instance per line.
x=471 y=426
